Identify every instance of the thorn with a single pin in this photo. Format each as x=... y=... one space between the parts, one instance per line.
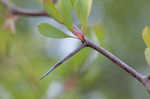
x=64 y=59
x=50 y=70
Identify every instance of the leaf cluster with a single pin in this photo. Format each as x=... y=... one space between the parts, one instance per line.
x=63 y=14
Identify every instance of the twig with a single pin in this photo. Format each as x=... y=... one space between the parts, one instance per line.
x=115 y=60
x=19 y=11
x=64 y=59
x=144 y=80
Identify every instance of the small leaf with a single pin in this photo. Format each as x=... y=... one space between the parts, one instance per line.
x=147 y=55
x=90 y=2
x=100 y=34
x=52 y=11
x=51 y=31
x=83 y=8
x=146 y=36
x=66 y=9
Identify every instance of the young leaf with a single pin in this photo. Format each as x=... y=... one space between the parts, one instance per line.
x=66 y=9
x=100 y=34
x=83 y=8
x=147 y=55
x=52 y=11
x=146 y=36
x=51 y=31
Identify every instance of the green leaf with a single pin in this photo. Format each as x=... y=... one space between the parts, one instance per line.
x=52 y=11
x=100 y=34
x=147 y=55
x=66 y=9
x=51 y=31
x=83 y=8
x=146 y=36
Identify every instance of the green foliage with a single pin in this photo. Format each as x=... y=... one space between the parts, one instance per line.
x=83 y=8
x=147 y=55
x=100 y=34
x=51 y=31
x=52 y=11
x=66 y=9
x=146 y=36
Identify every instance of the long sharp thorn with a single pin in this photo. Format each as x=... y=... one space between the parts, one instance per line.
x=64 y=59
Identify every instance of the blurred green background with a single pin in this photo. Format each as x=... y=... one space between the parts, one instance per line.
x=26 y=55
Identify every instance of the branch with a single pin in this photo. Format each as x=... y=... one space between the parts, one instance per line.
x=64 y=59
x=19 y=11
x=144 y=80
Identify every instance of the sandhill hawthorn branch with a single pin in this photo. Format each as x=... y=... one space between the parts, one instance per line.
x=145 y=80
